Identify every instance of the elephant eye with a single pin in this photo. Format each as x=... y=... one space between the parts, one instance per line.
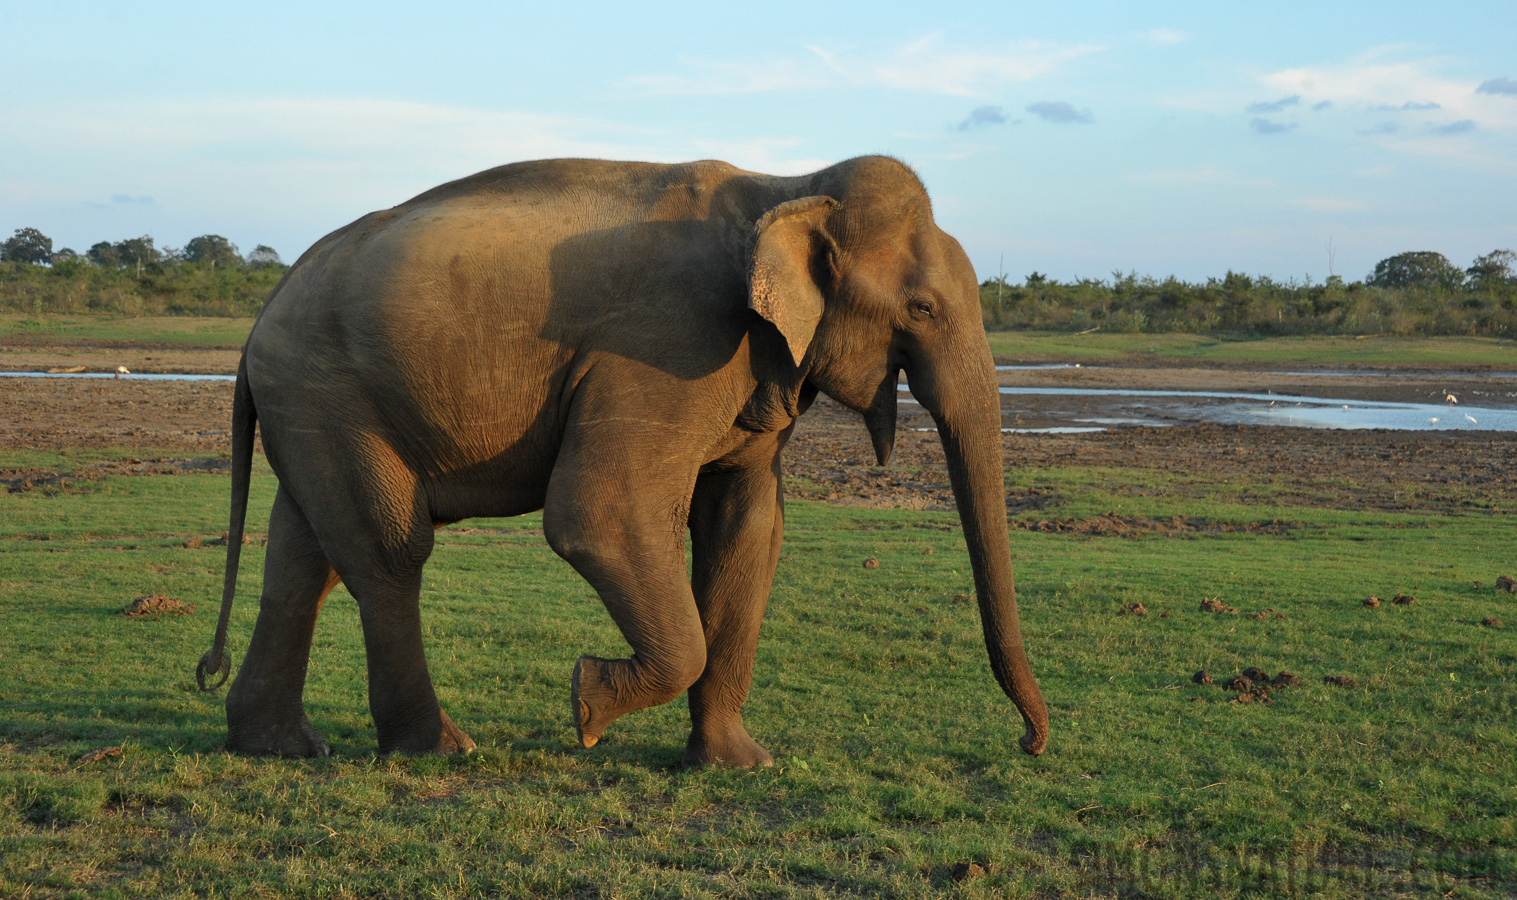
x=921 y=308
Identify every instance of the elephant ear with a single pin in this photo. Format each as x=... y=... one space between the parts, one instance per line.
x=787 y=252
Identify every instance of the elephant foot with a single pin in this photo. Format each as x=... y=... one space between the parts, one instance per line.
x=591 y=699
x=731 y=747
x=450 y=740
x=291 y=739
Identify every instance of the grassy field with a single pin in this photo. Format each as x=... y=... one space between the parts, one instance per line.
x=1317 y=351
x=1009 y=346
x=187 y=332
x=897 y=755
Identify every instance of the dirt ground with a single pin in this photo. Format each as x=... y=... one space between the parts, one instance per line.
x=184 y=426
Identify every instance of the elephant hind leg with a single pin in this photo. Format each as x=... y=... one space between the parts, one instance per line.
x=265 y=715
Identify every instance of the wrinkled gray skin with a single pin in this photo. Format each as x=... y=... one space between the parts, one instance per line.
x=626 y=347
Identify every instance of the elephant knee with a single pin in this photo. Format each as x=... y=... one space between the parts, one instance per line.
x=668 y=677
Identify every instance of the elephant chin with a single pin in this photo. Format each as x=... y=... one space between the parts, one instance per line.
x=879 y=418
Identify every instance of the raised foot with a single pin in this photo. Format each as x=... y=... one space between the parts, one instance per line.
x=293 y=739
x=731 y=747
x=591 y=699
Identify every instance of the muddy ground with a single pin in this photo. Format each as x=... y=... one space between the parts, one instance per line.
x=181 y=426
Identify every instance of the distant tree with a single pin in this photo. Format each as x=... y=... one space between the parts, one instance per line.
x=1495 y=268
x=63 y=256
x=105 y=255
x=137 y=251
x=213 y=249
x=27 y=245
x=1420 y=268
x=264 y=255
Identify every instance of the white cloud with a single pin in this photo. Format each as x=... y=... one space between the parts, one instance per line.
x=322 y=159
x=1377 y=81
x=924 y=66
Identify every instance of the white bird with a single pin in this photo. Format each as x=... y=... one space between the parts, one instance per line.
x=1450 y=397
x=1433 y=420
x=1345 y=407
x=122 y=370
x=1471 y=418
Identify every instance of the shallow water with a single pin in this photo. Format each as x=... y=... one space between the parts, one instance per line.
x=113 y=376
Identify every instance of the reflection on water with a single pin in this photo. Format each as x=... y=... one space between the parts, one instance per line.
x=1302 y=411
x=1150 y=408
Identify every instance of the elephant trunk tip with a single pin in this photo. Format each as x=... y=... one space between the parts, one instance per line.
x=1034 y=739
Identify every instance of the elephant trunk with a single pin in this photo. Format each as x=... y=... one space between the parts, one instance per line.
x=965 y=402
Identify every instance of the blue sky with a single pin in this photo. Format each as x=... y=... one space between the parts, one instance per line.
x=1075 y=139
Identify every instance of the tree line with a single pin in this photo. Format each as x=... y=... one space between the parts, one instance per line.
x=1412 y=293
x=208 y=276
x=1415 y=293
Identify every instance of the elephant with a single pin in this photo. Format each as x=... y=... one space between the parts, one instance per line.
x=625 y=347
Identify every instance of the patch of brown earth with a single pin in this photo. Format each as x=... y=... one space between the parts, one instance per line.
x=1492 y=622
x=1132 y=609
x=153 y=606
x=1403 y=599
x=1113 y=525
x=1370 y=602
x=1506 y=583
x=1341 y=680
x=1213 y=605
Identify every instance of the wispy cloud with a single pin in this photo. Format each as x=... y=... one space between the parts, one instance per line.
x=1164 y=37
x=1408 y=106
x=1379 y=81
x=715 y=78
x=1382 y=128
x=928 y=65
x=1463 y=126
x=1211 y=174
x=1329 y=204
x=1274 y=106
x=337 y=153
x=1060 y=113
x=982 y=116
x=1266 y=126
x=1321 y=105
x=1501 y=86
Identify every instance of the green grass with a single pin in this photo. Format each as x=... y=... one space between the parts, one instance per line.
x=187 y=332
x=897 y=754
x=1317 y=351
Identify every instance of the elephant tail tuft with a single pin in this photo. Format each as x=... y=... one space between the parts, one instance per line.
x=244 y=422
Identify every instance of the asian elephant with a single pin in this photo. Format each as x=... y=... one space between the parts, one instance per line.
x=626 y=347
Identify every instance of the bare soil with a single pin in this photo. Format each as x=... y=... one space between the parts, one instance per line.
x=184 y=427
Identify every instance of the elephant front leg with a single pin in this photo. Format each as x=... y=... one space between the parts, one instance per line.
x=628 y=550
x=736 y=525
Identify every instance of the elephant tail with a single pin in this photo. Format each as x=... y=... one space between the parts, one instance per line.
x=244 y=421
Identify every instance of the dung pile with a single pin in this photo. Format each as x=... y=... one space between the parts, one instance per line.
x=1252 y=685
x=156 y=605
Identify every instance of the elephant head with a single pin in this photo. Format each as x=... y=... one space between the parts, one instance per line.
x=863 y=285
